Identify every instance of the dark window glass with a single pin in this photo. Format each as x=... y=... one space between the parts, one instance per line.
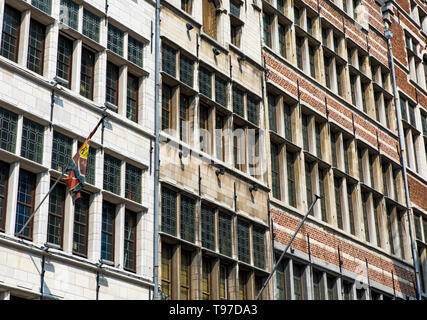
x=365 y=215
x=43 y=5
x=184 y=107
x=205 y=82
x=220 y=91
x=305 y=131
x=275 y=171
x=350 y=208
x=10 y=33
x=271 y=99
x=312 y=53
x=234 y=8
x=288 y=121
x=317 y=285
x=282 y=39
x=299 y=42
x=224 y=233
x=169 y=60
x=87 y=73
x=258 y=247
x=238 y=103
x=377 y=220
x=252 y=109
x=107 y=232
x=25 y=204
x=61 y=151
x=390 y=229
x=187 y=218
x=185 y=275
x=112 y=85
x=318 y=132
x=208 y=227
x=166 y=271
x=267 y=29
x=290 y=161
x=223 y=282
x=132 y=98
x=129 y=254
x=81 y=221
x=169 y=198
x=308 y=186
x=206 y=279
x=298 y=281
x=8 y=127
x=166 y=107
x=186 y=70
x=115 y=40
x=64 y=59
x=332 y=293
x=4 y=174
x=327 y=61
x=348 y=288
x=32 y=141
x=36 y=47
x=133 y=183
x=243 y=241
x=135 y=51
x=91 y=25
x=55 y=224
x=322 y=194
x=69 y=13
x=337 y=185
x=186 y=5
x=112 y=170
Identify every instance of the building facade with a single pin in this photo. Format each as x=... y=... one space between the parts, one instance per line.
x=263 y=105
x=63 y=65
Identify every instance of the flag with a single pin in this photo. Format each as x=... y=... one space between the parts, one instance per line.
x=77 y=166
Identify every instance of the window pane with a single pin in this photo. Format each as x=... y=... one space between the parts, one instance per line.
x=243 y=241
x=43 y=5
x=115 y=40
x=10 y=33
x=61 y=151
x=238 y=103
x=56 y=214
x=135 y=51
x=169 y=60
x=133 y=183
x=132 y=98
x=112 y=170
x=90 y=166
x=205 y=82
x=81 y=219
x=69 y=13
x=64 y=59
x=107 y=236
x=25 y=205
x=224 y=234
x=186 y=70
x=220 y=91
x=208 y=227
x=112 y=85
x=86 y=73
x=91 y=25
x=258 y=247
x=129 y=253
x=36 y=47
x=8 y=126
x=169 y=211
x=187 y=218
x=32 y=141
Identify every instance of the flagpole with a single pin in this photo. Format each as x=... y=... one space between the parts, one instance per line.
x=59 y=178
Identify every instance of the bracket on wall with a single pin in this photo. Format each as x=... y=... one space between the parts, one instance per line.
x=378 y=142
x=354 y=127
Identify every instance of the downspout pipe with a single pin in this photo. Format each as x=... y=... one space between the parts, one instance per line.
x=156 y=155
x=388 y=34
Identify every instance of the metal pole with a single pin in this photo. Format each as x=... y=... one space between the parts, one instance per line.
x=287 y=247
x=388 y=34
x=42 y=277
x=156 y=153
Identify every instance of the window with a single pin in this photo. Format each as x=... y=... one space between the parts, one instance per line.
x=185 y=275
x=288 y=121
x=360 y=162
x=206 y=279
x=187 y=218
x=238 y=103
x=347 y=288
x=223 y=283
x=290 y=162
x=61 y=151
x=350 y=208
x=258 y=247
x=235 y=31
x=327 y=62
x=129 y=251
x=65 y=58
x=243 y=285
x=297 y=15
x=220 y=91
x=340 y=69
x=298 y=274
x=360 y=294
x=87 y=73
x=10 y=33
x=224 y=234
x=55 y=224
x=135 y=51
x=8 y=127
x=271 y=100
x=243 y=241
x=91 y=25
x=304 y=120
x=346 y=155
x=112 y=170
x=112 y=85
x=318 y=129
x=365 y=96
x=209 y=18
x=4 y=174
x=133 y=183
x=281 y=5
x=36 y=47
x=107 y=232
x=208 y=227
x=186 y=70
x=186 y=5
x=184 y=107
x=353 y=86
x=332 y=292
x=166 y=107
x=81 y=221
x=169 y=60
x=90 y=166
x=267 y=19
x=334 y=137
x=377 y=220
x=317 y=285
x=252 y=104
x=365 y=215
x=220 y=139
x=322 y=194
x=282 y=39
x=204 y=127
x=308 y=186
x=69 y=13
x=25 y=203
x=299 y=44
x=132 y=98
x=390 y=229
x=169 y=199
x=337 y=185
x=282 y=285
x=115 y=40
x=205 y=82
x=43 y=5
x=275 y=173
x=166 y=271
x=312 y=53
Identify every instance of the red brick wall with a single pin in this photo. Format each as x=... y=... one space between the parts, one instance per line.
x=417 y=192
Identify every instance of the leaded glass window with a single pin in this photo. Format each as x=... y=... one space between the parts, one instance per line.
x=309 y=190
x=288 y=121
x=184 y=107
x=36 y=47
x=112 y=174
x=169 y=198
x=129 y=252
x=185 y=275
x=206 y=279
x=115 y=39
x=132 y=98
x=166 y=107
x=271 y=100
x=135 y=51
x=169 y=60
x=91 y=25
x=258 y=247
x=339 y=208
x=238 y=102
x=166 y=270
x=43 y=5
x=205 y=82
x=208 y=227
x=8 y=126
x=61 y=151
x=298 y=281
x=186 y=70
x=25 y=204
x=87 y=73
x=69 y=13
x=224 y=233
x=243 y=241
x=253 y=110
x=220 y=91
x=235 y=8
x=32 y=141
x=112 y=85
x=81 y=221
x=10 y=33
x=290 y=161
x=275 y=170
x=187 y=218
x=4 y=174
x=318 y=130
x=322 y=193
x=365 y=215
x=55 y=224
x=304 y=119
x=107 y=231
x=133 y=183
x=64 y=59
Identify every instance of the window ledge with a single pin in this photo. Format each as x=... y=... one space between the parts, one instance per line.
x=121 y=61
x=25 y=163
x=213 y=42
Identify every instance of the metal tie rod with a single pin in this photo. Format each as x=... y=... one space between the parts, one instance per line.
x=287 y=247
